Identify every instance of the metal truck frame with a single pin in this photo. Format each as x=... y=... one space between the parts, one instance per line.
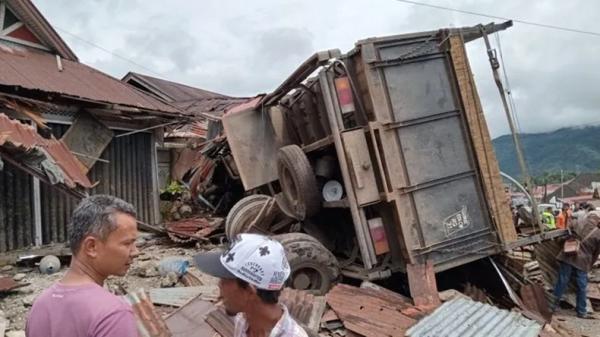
x=398 y=124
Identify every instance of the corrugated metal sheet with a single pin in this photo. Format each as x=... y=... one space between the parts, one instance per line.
x=38 y=70
x=129 y=173
x=192 y=101
x=371 y=312
x=127 y=176
x=16 y=209
x=174 y=92
x=464 y=317
x=23 y=138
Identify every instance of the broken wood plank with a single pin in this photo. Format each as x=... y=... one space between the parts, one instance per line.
x=189 y=320
x=422 y=284
x=178 y=296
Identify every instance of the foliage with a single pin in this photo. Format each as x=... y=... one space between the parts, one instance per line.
x=573 y=150
x=174 y=188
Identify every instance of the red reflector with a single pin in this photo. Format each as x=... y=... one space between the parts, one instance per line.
x=378 y=236
x=344 y=94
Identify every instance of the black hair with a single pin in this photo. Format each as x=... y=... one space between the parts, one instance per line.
x=95 y=216
x=266 y=296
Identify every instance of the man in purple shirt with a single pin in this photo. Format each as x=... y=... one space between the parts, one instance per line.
x=102 y=241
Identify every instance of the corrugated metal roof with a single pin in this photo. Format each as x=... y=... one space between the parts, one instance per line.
x=210 y=106
x=16 y=136
x=38 y=70
x=192 y=101
x=464 y=317
x=175 y=92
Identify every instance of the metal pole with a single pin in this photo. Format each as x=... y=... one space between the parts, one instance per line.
x=524 y=172
x=562 y=190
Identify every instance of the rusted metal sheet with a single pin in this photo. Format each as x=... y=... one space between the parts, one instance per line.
x=8 y=284
x=37 y=70
x=368 y=312
x=189 y=320
x=61 y=166
x=534 y=299
x=464 y=317
x=192 y=228
x=422 y=283
x=150 y=323
x=304 y=307
x=16 y=209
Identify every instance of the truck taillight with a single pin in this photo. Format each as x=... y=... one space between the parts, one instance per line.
x=344 y=94
x=378 y=236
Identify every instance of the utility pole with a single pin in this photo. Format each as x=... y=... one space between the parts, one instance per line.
x=524 y=172
x=562 y=190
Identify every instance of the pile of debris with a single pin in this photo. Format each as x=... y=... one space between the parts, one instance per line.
x=346 y=311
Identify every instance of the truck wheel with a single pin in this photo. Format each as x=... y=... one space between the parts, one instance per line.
x=314 y=268
x=230 y=220
x=298 y=182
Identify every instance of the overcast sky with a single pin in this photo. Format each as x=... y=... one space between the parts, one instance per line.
x=242 y=48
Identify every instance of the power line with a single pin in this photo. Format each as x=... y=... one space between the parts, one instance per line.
x=123 y=58
x=572 y=30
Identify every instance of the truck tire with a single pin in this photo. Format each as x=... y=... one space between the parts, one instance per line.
x=235 y=210
x=314 y=268
x=298 y=182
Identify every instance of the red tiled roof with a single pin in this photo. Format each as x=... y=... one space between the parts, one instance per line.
x=36 y=70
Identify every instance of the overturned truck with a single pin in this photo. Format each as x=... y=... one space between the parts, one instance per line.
x=371 y=161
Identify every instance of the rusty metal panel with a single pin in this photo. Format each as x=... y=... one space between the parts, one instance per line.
x=370 y=312
x=439 y=195
x=464 y=317
x=49 y=156
x=16 y=209
x=37 y=70
x=360 y=167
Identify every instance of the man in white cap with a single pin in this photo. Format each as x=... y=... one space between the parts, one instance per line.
x=252 y=273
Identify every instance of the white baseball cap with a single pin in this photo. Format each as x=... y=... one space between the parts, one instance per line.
x=253 y=258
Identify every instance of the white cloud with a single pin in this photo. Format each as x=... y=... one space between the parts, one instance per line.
x=242 y=48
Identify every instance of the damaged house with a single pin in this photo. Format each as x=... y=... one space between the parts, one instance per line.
x=195 y=153
x=67 y=130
